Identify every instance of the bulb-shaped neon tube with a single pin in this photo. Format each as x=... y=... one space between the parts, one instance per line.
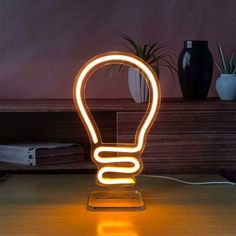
x=133 y=151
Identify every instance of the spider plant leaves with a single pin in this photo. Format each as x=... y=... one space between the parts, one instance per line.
x=144 y=50
x=149 y=52
x=120 y=67
x=218 y=67
x=170 y=65
x=163 y=56
x=154 y=54
x=234 y=72
x=232 y=63
x=222 y=58
x=228 y=64
x=110 y=69
x=129 y=48
x=156 y=49
x=136 y=47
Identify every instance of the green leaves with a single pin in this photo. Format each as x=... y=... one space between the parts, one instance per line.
x=228 y=65
x=154 y=54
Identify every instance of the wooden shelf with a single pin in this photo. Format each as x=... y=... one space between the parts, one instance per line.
x=81 y=167
x=67 y=105
x=116 y=105
x=188 y=136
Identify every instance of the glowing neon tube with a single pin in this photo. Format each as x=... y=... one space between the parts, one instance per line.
x=132 y=152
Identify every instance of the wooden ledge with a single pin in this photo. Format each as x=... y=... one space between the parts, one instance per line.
x=113 y=105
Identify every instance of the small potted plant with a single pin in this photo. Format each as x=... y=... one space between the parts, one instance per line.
x=226 y=83
x=156 y=55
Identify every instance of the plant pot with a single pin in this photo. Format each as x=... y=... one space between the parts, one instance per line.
x=137 y=86
x=195 y=66
x=226 y=86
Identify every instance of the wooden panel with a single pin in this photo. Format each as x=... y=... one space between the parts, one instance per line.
x=67 y=105
x=84 y=166
x=52 y=127
x=185 y=141
x=57 y=127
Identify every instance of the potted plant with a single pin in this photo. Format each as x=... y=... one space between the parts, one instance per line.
x=226 y=83
x=156 y=55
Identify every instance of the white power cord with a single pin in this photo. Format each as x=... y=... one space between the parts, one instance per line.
x=190 y=183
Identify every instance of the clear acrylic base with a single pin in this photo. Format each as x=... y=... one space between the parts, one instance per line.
x=115 y=201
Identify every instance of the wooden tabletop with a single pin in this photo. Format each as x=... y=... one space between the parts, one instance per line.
x=56 y=205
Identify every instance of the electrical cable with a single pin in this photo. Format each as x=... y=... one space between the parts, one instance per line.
x=190 y=183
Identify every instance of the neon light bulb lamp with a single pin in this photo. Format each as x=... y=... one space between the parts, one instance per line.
x=117 y=164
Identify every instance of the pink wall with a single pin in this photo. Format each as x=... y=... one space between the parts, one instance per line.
x=44 y=43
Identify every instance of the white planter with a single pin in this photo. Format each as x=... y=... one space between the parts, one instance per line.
x=226 y=86
x=137 y=85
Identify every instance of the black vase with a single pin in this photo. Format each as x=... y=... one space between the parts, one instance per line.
x=195 y=66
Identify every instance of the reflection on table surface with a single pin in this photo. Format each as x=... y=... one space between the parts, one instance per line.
x=56 y=205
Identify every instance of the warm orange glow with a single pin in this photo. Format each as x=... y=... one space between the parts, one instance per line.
x=115 y=228
x=132 y=152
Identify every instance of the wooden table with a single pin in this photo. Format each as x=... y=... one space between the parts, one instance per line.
x=56 y=205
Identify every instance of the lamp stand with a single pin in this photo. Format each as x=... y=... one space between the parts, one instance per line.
x=115 y=201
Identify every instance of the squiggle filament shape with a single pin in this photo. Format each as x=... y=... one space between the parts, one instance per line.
x=132 y=151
